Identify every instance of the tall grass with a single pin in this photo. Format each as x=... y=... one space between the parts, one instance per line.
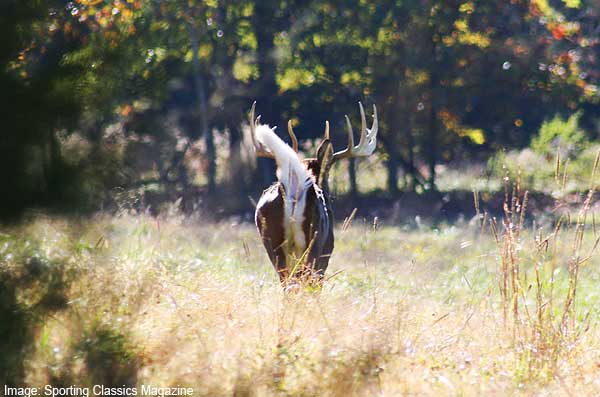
x=545 y=331
x=454 y=310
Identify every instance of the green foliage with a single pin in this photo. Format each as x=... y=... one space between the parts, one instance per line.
x=560 y=160
x=146 y=81
x=560 y=136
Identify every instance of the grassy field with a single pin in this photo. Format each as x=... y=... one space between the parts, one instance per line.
x=456 y=310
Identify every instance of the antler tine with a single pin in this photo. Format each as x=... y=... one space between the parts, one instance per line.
x=375 y=125
x=349 y=151
x=251 y=119
x=293 y=136
x=252 y=124
x=326 y=134
x=363 y=125
x=258 y=147
x=350 y=147
x=368 y=137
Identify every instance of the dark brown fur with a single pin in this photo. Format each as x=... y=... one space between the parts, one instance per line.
x=309 y=253
x=317 y=222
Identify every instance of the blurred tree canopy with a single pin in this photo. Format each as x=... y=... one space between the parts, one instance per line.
x=98 y=95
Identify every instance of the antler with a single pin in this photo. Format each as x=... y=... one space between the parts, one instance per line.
x=293 y=136
x=368 y=138
x=259 y=149
x=295 y=140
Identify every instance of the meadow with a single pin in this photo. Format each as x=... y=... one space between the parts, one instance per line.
x=128 y=254
x=480 y=307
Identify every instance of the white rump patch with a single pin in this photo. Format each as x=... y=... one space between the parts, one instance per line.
x=296 y=181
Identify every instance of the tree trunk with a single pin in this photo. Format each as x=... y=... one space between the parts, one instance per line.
x=178 y=165
x=264 y=29
x=264 y=18
x=392 y=172
x=352 y=177
x=236 y=171
x=433 y=125
x=432 y=146
x=200 y=89
x=402 y=119
x=412 y=174
x=51 y=167
x=404 y=115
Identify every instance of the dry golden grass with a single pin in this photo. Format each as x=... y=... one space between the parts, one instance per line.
x=172 y=301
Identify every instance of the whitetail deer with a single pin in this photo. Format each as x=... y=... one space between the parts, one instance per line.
x=294 y=216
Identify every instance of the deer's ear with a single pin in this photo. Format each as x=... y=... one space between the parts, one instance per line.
x=324 y=157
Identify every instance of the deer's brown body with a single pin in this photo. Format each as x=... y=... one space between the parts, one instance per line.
x=317 y=227
x=294 y=215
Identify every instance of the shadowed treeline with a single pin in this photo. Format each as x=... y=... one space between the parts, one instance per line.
x=100 y=99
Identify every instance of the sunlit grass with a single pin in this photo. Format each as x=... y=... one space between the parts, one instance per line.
x=551 y=173
x=175 y=301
